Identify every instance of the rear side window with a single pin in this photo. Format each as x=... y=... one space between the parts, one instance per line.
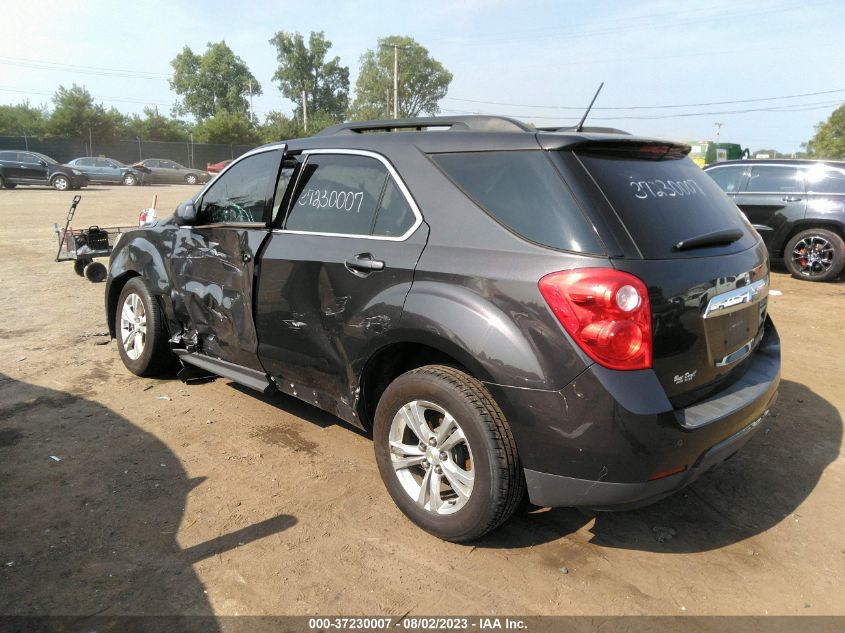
x=663 y=202
x=523 y=191
x=823 y=180
x=726 y=177
x=394 y=216
x=774 y=179
x=337 y=193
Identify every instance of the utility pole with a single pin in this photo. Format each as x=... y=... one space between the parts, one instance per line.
x=396 y=49
x=251 y=110
x=90 y=141
x=304 y=111
x=718 y=130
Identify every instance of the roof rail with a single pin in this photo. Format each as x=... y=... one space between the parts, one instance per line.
x=593 y=129
x=471 y=123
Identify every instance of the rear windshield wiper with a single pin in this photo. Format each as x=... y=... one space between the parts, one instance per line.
x=715 y=238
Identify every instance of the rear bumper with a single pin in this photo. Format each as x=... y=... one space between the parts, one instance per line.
x=607 y=438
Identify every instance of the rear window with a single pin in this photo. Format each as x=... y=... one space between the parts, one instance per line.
x=523 y=191
x=663 y=202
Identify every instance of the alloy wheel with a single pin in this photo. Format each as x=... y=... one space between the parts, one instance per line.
x=431 y=457
x=133 y=326
x=813 y=255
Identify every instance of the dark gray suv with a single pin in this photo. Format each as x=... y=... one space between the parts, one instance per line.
x=581 y=315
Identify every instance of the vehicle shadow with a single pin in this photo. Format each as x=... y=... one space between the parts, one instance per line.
x=759 y=487
x=91 y=509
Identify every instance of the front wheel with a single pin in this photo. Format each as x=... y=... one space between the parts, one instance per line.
x=446 y=453
x=141 y=333
x=815 y=255
x=191 y=179
x=61 y=183
x=130 y=180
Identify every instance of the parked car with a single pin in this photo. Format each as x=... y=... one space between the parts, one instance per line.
x=32 y=168
x=109 y=170
x=797 y=206
x=493 y=303
x=216 y=168
x=167 y=171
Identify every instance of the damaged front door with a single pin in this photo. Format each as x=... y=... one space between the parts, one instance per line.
x=214 y=260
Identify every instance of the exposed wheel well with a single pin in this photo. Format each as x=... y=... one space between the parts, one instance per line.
x=115 y=289
x=811 y=224
x=389 y=363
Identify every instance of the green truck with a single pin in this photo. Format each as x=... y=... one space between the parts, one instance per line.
x=708 y=152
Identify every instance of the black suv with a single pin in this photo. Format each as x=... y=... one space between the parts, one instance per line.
x=578 y=314
x=797 y=206
x=32 y=168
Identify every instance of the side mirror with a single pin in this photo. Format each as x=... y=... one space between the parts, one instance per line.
x=186 y=213
x=42 y=163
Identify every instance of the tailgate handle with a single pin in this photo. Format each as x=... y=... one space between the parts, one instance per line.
x=364 y=263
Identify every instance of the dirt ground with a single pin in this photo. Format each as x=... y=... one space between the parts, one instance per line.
x=205 y=499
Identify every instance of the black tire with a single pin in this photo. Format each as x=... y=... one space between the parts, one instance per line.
x=155 y=357
x=498 y=483
x=79 y=266
x=191 y=179
x=60 y=182
x=815 y=255
x=130 y=180
x=3 y=183
x=95 y=272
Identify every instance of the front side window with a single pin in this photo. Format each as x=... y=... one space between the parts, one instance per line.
x=774 y=179
x=242 y=194
x=102 y=162
x=337 y=193
x=726 y=177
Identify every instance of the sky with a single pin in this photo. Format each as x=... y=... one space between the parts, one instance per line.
x=537 y=61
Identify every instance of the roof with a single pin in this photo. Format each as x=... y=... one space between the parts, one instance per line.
x=778 y=161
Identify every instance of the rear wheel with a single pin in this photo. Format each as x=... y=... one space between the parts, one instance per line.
x=815 y=255
x=446 y=453
x=191 y=179
x=141 y=332
x=60 y=182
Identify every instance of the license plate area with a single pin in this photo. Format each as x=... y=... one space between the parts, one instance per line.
x=734 y=323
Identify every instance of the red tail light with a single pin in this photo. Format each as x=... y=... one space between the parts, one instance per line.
x=606 y=311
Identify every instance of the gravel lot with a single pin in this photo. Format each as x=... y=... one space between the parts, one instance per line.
x=205 y=499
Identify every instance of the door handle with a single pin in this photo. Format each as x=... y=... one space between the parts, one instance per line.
x=363 y=263
x=791 y=198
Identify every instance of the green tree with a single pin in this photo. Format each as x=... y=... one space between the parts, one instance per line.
x=829 y=140
x=76 y=116
x=226 y=127
x=216 y=81
x=423 y=80
x=157 y=127
x=22 y=119
x=303 y=68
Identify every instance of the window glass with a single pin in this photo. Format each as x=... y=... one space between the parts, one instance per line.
x=102 y=162
x=663 y=202
x=825 y=180
x=243 y=193
x=84 y=162
x=172 y=165
x=288 y=169
x=726 y=177
x=29 y=159
x=394 y=216
x=337 y=194
x=772 y=179
x=523 y=191
x=8 y=155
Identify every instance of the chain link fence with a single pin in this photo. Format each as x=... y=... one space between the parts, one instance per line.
x=193 y=155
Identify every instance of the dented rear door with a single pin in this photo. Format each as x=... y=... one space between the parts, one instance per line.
x=333 y=281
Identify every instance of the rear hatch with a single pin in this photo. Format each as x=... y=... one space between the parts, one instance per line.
x=705 y=267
